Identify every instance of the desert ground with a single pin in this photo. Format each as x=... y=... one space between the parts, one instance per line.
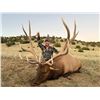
x=18 y=73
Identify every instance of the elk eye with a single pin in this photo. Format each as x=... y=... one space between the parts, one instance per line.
x=45 y=70
x=36 y=69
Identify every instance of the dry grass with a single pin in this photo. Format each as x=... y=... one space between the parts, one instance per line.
x=16 y=72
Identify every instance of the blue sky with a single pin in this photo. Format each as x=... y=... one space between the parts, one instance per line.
x=0 y=25
x=50 y=23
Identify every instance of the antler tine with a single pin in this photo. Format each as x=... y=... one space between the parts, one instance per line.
x=29 y=38
x=20 y=56
x=74 y=34
x=31 y=41
x=30 y=35
x=29 y=30
x=25 y=49
x=29 y=61
x=25 y=32
x=74 y=26
x=32 y=61
x=68 y=31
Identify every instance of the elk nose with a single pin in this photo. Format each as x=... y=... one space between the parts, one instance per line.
x=35 y=83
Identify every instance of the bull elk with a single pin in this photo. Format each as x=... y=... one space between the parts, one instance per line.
x=61 y=64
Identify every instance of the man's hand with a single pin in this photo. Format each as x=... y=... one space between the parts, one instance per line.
x=38 y=36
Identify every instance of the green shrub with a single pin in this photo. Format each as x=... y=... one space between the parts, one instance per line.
x=93 y=49
x=73 y=43
x=80 y=50
x=85 y=48
x=33 y=38
x=24 y=41
x=57 y=44
x=41 y=40
x=65 y=40
x=13 y=39
x=83 y=43
x=61 y=40
x=93 y=44
x=77 y=47
x=10 y=43
x=3 y=39
x=20 y=51
x=53 y=39
x=87 y=43
x=98 y=44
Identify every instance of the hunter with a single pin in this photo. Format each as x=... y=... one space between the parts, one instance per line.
x=47 y=50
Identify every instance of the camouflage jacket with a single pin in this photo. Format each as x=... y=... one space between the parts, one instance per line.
x=47 y=53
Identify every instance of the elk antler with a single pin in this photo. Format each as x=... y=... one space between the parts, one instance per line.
x=32 y=51
x=50 y=62
x=68 y=32
x=74 y=34
x=68 y=35
x=65 y=49
x=31 y=61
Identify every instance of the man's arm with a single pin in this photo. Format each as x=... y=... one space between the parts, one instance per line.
x=40 y=45
x=39 y=42
x=55 y=50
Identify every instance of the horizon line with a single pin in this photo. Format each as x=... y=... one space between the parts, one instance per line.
x=49 y=36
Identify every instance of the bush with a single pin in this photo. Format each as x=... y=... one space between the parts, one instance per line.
x=20 y=51
x=13 y=39
x=3 y=39
x=53 y=39
x=77 y=47
x=83 y=43
x=57 y=44
x=87 y=43
x=85 y=48
x=18 y=38
x=61 y=40
x=93 y=49
x=24 y=41
x=33 y=38
x=93 y=44
x=9 y=43
x=73 y=43
x=80 y=50
x=41 y=40
x=98 y=44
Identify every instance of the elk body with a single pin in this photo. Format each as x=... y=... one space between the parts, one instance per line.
x=59 y=65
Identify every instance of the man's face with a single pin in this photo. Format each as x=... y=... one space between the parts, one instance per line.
x=47 y=43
